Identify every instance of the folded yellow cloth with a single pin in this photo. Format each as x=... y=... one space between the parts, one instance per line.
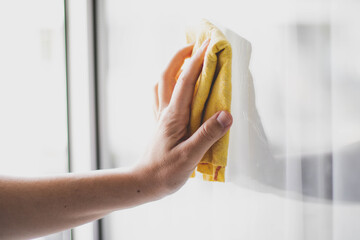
x=212 y=94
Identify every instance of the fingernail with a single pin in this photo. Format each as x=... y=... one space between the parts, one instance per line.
x=224 y=119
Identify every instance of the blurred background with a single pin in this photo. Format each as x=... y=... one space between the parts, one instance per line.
x=76 y=94
x=33 y=122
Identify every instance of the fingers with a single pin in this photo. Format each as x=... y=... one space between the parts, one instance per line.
x=211 y=131
x=168 y=79
x=156 y=100
x=184 y=88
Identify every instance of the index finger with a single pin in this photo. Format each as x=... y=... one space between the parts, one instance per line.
x=168 y=79
x=184 y=88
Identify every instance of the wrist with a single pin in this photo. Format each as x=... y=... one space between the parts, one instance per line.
x=148 y=184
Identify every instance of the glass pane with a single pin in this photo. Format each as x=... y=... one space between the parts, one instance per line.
x=306 y=78
x=32 y=88
x=33 y=124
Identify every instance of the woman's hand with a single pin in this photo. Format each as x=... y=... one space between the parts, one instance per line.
x=173 y=155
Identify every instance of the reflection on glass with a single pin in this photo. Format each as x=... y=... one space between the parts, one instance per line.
x=304 y=62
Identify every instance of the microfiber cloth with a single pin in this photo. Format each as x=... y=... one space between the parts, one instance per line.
x=212 y=94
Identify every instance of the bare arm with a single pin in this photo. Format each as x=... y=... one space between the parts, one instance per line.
x=40 y=206
x=33 y=207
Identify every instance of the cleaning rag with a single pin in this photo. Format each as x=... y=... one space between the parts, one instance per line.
x=212 y=94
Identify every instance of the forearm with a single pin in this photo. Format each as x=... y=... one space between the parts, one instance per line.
x=34 y=207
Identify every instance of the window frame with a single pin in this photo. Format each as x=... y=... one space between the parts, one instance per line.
x=82 y=96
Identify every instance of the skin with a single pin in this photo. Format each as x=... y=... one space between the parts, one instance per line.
x=33 y=207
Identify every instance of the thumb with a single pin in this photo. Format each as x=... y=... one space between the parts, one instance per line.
x=211 y=131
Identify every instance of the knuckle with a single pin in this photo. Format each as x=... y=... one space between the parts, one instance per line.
x=173 y=123
x=208 y=133
x=181 y=81
x=172 y=130
x=198 y=57
x=181 y=115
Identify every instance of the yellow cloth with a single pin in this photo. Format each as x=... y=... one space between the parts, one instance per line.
x=212 y=94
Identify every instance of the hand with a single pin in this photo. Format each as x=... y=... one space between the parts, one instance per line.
x=69 y=200
x=173 y=155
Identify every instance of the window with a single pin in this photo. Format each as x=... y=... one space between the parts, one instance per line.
x=33 y=122
x=306 y=80
x=304 y=65
x=33 y=88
